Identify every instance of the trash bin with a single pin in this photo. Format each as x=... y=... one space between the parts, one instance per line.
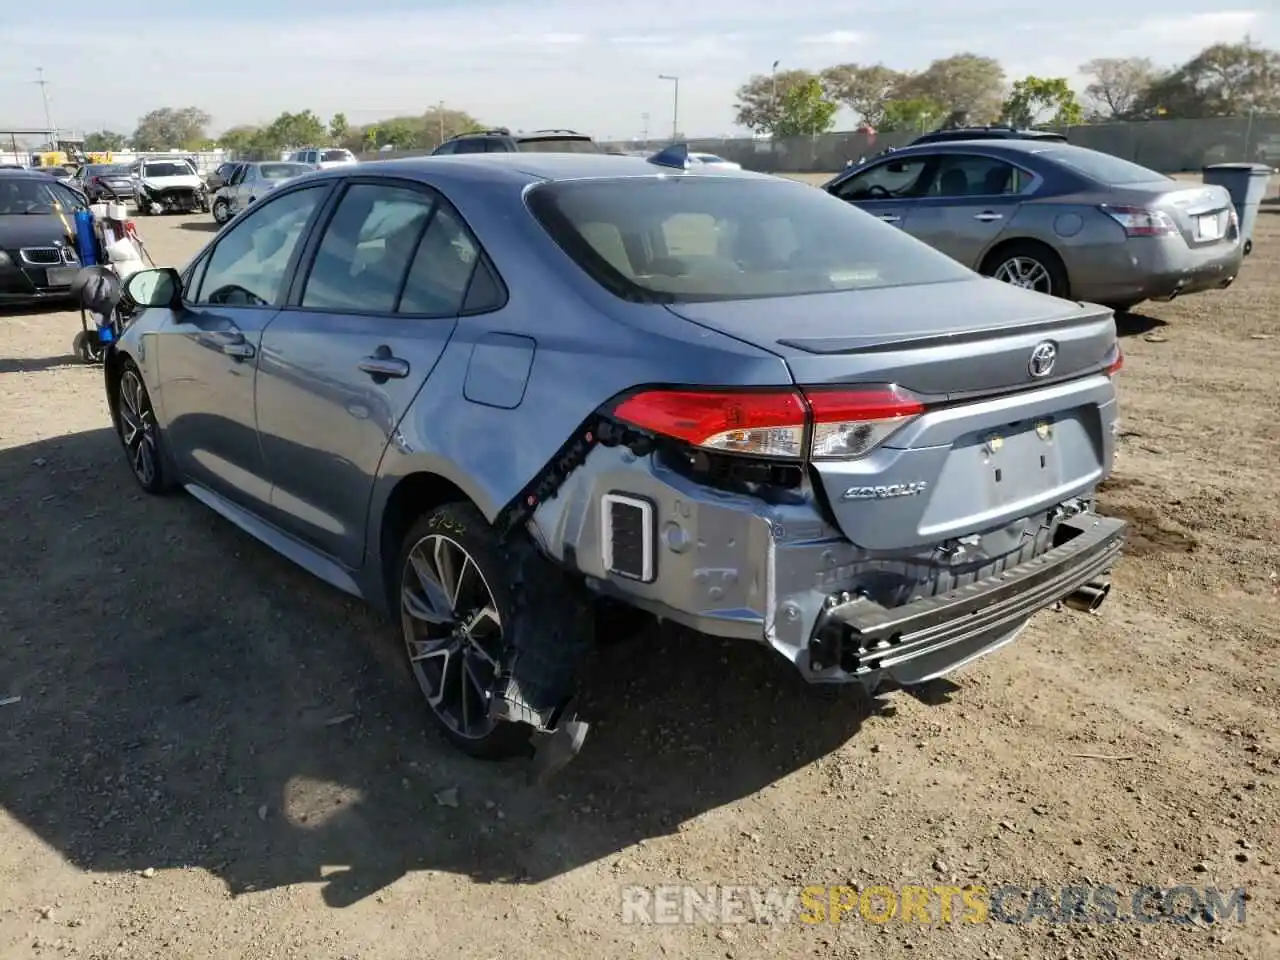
x=1247 y=183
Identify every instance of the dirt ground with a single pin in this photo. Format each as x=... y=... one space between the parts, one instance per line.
x=215 y=756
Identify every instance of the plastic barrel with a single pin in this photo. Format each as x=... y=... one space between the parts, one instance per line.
x=1247 y=183
x=86 y=241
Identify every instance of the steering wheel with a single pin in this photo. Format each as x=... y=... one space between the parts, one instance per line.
x=878 y=192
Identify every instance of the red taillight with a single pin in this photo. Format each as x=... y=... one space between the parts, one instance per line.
x=1141 y=222
x=845 y=422
x=768 y=424
x=851 y=422
x=1114 y=366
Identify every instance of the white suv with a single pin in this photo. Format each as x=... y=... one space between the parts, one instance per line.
x=324 y=157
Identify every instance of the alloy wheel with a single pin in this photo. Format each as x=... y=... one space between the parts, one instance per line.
x=138 y=427
x=453 y=632
x=1025 y=272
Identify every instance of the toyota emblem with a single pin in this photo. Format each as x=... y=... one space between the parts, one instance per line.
x=1042 y=359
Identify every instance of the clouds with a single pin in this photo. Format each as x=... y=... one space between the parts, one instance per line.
x=555 y=63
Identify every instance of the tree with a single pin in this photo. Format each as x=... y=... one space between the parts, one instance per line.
x=804 y=110
x=1222 y=80
x=440 y=119
x=339 y=129
x=966 y=83
x=104 y=140
x=1031 y=97
x=239 y=139
x=759 y=105
x=914 y=114
x=1118 y=84
x=171 y=128
x=295 y=130
x=863 y=89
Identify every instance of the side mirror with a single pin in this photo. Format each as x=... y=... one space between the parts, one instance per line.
x=161 y=287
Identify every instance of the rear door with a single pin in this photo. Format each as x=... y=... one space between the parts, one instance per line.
x=889 y=189
x=367 y=322
x=970 y=201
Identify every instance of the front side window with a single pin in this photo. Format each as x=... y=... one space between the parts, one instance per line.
x=891 y=180
x=249 y=266
x=668 y=240
x=365 y=252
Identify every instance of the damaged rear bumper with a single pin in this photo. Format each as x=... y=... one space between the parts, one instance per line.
x=930 y=636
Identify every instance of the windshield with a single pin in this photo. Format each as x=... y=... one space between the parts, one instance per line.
x=669 y=240
x=166 y=168
x=1103 y=167
x=283 y=171
x=560 y=145
x=335 y=156
x=20 y=195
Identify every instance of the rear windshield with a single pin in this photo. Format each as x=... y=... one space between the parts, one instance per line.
x=283 y=171
x=1103 y=167
x=332 y=156
x=108 y=171
x=690 y=239
x=559 y=145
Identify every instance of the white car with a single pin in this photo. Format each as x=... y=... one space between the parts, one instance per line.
x=322 y=158
x=167 y=185
x=711 y=160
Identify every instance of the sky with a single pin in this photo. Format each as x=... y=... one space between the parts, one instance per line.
x=590 y=66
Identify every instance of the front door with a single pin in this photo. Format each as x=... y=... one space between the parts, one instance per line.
x=341 y=364
x=887 y=190
x=209 y=350
x=970 y=202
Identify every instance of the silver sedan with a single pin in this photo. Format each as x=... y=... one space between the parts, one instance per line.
x=1056 y=218
x=247 y=182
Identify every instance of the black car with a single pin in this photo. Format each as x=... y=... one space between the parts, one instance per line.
x=503 y=140
x=37 y=251
x=105 y=182
x=947 y=134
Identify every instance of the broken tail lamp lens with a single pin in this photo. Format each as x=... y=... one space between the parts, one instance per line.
x=846 y=423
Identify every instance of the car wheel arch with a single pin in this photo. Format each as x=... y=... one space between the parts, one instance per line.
x=1002 y=247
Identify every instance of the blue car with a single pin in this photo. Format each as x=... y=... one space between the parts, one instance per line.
x=486 y=392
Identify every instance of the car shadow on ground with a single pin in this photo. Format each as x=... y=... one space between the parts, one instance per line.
x=190 y=698
x=199 y=226
x=1130 y=324
x=37 y=364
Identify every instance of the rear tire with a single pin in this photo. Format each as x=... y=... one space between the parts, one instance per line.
x=1029 y=264
x=482 y=621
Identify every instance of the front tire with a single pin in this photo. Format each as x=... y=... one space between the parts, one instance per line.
x=139 y=433
x=221 y=212
x=483 y=621
x=1030 y=265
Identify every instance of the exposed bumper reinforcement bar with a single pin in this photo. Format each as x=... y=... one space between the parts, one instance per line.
x=864 y=637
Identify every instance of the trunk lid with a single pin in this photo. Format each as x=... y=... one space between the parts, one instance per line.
x=997 y=445
x=1201 y=212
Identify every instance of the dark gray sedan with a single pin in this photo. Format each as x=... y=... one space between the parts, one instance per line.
x=1055 y=218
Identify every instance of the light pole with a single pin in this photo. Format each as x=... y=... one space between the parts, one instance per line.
x=675 y=107
x=44 y=94
x=773 y=75
x=644 y=128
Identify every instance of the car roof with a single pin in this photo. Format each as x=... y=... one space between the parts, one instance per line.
x=531 y=167
x=1008 y=145
x=28 y=173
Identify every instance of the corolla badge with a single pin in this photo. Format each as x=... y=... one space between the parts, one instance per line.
x=1042 y=359
x=885 y=492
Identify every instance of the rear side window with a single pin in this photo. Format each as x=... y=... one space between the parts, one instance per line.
x=336 y=156
x=698 y=239
x=559 y=145
x=1102 y=167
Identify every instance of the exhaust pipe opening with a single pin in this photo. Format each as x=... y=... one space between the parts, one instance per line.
x=1089 y=597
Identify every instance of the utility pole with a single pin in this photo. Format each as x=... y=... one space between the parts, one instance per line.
x=43 y=84
x=675 y=106
x=644 y=128
x=440 y=115
x=773 y=75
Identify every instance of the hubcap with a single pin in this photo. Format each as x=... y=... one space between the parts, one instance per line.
x=1025 y=272
x=137 y=427
x=453 y=633
x=220 y=212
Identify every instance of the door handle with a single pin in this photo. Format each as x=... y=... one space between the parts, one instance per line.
x=987 y=216
x=889 y=218
x=383 y=365
x=238 y=349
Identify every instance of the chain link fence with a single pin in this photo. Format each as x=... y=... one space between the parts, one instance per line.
x=1169 y=146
